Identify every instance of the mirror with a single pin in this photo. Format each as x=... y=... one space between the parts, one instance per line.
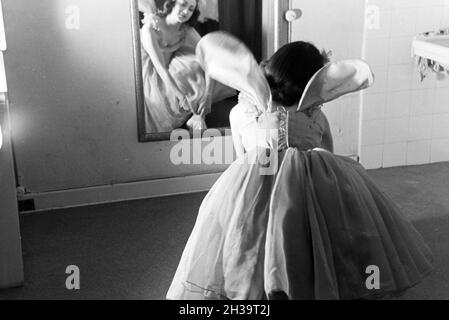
x=172 y=89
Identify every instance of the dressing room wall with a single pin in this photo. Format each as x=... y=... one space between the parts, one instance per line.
x=72 y=98
x=404 y=121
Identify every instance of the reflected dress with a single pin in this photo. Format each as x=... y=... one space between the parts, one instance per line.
x=163 y=112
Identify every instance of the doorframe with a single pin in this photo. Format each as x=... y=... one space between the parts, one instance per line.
x=11 y=261
x=275 y=29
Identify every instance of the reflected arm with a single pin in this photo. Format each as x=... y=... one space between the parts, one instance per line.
x=147 y=6
x=192 y=38
x=205 y=105
x=151 y=46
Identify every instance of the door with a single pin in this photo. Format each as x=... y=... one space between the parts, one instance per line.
x=336 y=26
x=11 y=264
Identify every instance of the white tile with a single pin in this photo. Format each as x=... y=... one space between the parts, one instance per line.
x=429 y=82
x=382 y=4
x=440 y=126
x=443 y=82
x=440 y=150
x=398 y=104
x=396 y=130
x=445 y=18
x=422 y=102
x=372 y=157
x=415 y=3
x=377 y=50
x=404 y=3
x=400 y=50
x=373 y=132
x=419 y=152
x=395 y=155
x=429 y=19
x=420 y=128
x=400 y=77
x=380 y=80
x=442 y=101
x=384 y=29
x=403 y=21
x=374 y=106
x=433 y=2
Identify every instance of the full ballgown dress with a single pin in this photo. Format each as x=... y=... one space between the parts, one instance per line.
x=311 y=229
x=163 y=112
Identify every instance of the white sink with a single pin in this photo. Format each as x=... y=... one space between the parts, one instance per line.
x=432 y=47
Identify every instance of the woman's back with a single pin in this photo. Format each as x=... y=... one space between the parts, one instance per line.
x=310 y=127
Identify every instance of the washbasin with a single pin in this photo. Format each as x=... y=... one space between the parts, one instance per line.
x=433 y=46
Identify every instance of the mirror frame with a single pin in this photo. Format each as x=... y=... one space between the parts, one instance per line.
x=275 y=34
x=138 y=76
x=143 y=135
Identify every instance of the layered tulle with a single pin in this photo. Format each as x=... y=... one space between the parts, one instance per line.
x=164 y=112
x=310 y=231
x=328 y=224
x=224 y=255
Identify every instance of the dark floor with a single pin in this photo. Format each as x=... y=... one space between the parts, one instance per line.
x=130 y=250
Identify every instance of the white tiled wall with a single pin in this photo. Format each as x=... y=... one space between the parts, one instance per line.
x=404 y=121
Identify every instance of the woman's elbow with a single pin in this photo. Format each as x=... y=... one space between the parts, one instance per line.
x=328 y=144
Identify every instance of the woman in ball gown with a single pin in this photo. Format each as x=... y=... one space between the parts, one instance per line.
x=175 y=86
x=289 y=219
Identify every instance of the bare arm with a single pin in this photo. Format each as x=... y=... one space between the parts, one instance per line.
x=205 y=103
x=192 y=38
x=147 y=6
x=151 y=46
x=328 y=141
x=236 y=137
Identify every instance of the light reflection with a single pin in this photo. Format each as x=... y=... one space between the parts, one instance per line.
x=1 y=138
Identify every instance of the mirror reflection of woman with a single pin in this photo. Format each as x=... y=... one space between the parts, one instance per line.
x=174 y=83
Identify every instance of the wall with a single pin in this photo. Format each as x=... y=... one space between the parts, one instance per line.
x=72 y=96
x=404 y=121
x=67 y=140
x=340 y=30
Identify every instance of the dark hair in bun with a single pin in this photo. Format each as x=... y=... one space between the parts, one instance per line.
x=289 y=70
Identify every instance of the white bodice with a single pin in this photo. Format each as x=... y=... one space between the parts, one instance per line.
x=244 y=120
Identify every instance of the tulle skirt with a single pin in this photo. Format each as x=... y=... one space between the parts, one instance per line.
x=319 y=228
x=163 y=112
